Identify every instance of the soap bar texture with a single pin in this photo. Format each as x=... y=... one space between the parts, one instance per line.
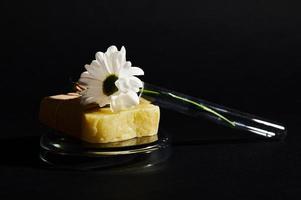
x=98 y=125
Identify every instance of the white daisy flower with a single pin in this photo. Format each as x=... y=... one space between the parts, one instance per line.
x=110 y=80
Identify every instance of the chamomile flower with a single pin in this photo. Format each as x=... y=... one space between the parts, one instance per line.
x=111 y=80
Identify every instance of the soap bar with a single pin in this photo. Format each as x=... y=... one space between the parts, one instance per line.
x=98 y=125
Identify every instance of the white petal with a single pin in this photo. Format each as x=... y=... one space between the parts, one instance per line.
x=130 y=83
x=93 y=69
x=115 y=104
x=97 y=70
x=127 y=65
x=101 y=100
x=114 y=59
x=115 y=63
x=101 y=60
x=123 y=54
x=88 y=100
x=120 y=61
x=135 y=84
x=124 y=101
x=108 y=63
x=136 y=71
x=132 y=98
x=122 y=85
x=99 y=56
x=87 y=79
x=86 y=74
x=104 y=100
x=112 y=49
x=125 y=69
x=94 y=94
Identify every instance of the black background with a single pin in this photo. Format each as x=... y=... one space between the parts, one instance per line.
x=242 y=54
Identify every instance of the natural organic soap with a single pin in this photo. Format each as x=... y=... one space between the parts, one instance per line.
x=98 y=125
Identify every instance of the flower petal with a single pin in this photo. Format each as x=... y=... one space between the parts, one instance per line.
x=125 y=69
x=94 y=92
x=123 y=54
x=115 y=104
x=124 y=101
x=111 y=62
x=122 y=85
x=135 y=84
x=120 y=62
x=97 y=70
x=87 y=79
x=136 y=71
x=99 y=56
x=130 y=83
x=104 y=100
x=132 y=98
x=108 y=63
x=112 y=49
x=101 y=101
x=88 y=100
x=101 y=60
x=115 y=62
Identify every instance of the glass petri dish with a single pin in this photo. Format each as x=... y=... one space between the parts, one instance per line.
x=61 y=151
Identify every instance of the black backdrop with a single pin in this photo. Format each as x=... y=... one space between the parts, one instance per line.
x=242 y=54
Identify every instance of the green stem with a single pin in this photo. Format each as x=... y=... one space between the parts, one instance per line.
x=203 y=107
x=192 y=102
x=149 y=92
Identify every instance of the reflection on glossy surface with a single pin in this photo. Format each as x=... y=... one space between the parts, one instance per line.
x=256 y=130
x=61 y=151
x=63 y=144
x=269 y=124
x=131 y=142
x=132 y=163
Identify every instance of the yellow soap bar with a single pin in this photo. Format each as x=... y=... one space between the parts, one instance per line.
x=98 y=125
